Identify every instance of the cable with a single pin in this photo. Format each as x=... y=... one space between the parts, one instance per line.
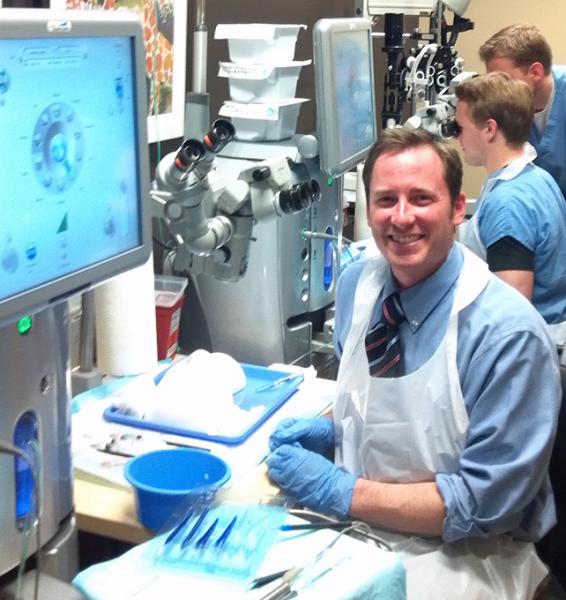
x=35 y=467
x=317 y=235
x=162 y=244
x=155 y=83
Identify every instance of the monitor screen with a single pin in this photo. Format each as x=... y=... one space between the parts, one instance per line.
x=345 y=96
x=73 y=157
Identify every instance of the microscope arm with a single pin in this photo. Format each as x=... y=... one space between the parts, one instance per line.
x=211 y=217
x=184 y=193
x=181 y=203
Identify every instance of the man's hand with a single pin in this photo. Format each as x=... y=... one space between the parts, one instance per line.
x=312 y=434
x=312 y=479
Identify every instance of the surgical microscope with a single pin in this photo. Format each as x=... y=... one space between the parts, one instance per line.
x=75 y=211
x=257 y=225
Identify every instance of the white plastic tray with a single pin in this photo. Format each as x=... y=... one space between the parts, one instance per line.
x=259 y=42
x=270 y=121
x=262 y=82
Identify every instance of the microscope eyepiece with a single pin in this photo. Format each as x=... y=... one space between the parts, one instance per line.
x=450 y=129
x=316 y=191
x=261 y=174
x=299 y=196
x=221 y=132
x=188 y=155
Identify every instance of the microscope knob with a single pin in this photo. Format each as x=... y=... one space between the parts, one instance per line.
x=173 y=211
x=261 y=174
x=308 y=146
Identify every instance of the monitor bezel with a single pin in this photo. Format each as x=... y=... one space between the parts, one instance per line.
x=50 y=24
x=327 y=123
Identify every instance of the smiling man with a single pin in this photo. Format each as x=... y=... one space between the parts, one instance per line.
x=435 y=439
x=519 y=221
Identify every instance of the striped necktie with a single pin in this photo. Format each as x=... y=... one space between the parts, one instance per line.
x=383 y=345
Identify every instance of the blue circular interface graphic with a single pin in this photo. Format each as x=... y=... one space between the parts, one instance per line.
x=57 y=147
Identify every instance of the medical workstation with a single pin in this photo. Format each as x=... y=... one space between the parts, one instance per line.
x=159 y=317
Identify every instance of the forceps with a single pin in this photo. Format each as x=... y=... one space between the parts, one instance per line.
x=284 y=589
x=277 y=382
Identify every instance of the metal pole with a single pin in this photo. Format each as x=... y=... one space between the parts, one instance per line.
x=200 y=49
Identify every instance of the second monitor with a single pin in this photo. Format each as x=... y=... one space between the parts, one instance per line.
x=345 y=95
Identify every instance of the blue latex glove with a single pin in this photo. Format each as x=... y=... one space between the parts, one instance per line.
x=312 y=479
x=313 y=434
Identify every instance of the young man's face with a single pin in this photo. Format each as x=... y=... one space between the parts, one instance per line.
x=471 y=137
x=410 y=212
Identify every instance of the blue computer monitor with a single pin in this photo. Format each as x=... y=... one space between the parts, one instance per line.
x=74 y=169
x=345 y=94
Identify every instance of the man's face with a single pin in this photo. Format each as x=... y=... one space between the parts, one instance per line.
x=471 y=137
x=410 y=213
x=505 y=65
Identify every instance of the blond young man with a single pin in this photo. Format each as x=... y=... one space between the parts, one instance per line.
x=519 y=221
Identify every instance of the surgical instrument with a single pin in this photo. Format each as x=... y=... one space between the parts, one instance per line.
x=359 y=527
x=194 y=529
x=265 y=579
x=206 y=535
x=284 y=589
x=177 y=529
x=277 y=382
x=224 y=535
x=320 y=525
x=228 y=539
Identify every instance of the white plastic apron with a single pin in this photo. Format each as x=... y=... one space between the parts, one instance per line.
x=407 y=429
x=468 y=232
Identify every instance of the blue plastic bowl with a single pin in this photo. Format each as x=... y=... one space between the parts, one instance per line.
x=163 y=479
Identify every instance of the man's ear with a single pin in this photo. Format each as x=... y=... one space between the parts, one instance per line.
x=536 y=72
x=459 y=210
x=491 y=129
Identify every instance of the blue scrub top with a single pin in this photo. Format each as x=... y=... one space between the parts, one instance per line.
x=551 y=146
x=531 y=209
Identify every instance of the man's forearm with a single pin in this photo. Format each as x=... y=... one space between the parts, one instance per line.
x=405 y=507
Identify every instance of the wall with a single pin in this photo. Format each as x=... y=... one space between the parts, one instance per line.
x=489 y=17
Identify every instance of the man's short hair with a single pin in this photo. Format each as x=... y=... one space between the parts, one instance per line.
x=497 y=96
x=523 y=45
x=398 y=140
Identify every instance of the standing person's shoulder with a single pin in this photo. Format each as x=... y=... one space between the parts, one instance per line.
x=559 y=72
x=539 y=182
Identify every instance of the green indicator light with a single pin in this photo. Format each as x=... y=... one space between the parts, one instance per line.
x=329 y=181
x=24 y=325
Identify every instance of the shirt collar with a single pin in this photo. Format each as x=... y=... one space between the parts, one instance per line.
x=513 y=168
x=421 y=299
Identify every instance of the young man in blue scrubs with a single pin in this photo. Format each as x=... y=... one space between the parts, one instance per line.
x=519 y=221
x=522 y=52
x=447 y=394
